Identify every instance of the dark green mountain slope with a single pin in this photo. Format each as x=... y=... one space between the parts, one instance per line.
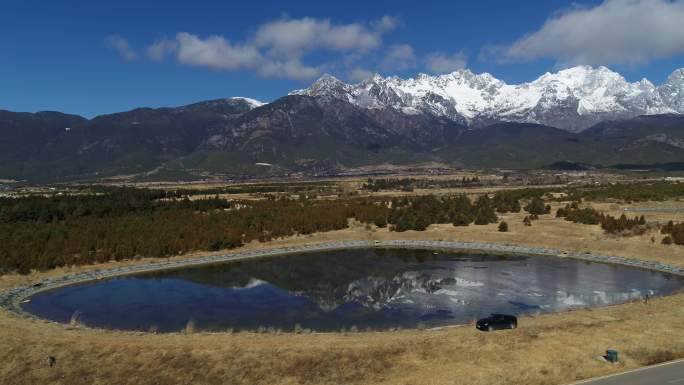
x=305 y=134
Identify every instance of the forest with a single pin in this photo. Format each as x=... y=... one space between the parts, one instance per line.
x=97 y=224
x=43 y=232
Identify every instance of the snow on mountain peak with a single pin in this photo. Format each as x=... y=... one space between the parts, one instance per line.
x=581 y=78
x=572 y=98
x=672 y=91
x=253 y=103
x=676 y=75
x=327 y=83
x=328 y=87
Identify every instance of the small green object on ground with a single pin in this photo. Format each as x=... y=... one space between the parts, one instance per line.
x=612 y=355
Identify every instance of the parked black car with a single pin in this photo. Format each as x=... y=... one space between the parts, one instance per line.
x=497 y=322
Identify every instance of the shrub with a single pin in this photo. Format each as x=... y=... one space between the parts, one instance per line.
x=667 y=240
x=536 y=206
x=503 y=227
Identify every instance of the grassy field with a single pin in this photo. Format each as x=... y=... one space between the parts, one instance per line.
x=546 y=349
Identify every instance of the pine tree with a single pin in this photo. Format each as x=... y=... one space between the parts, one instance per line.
x=536 y=207
x=484 y=211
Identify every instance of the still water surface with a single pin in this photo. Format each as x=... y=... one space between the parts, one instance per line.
x=363 y=288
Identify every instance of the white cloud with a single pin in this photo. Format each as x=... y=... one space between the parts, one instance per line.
x=398 y=57
x=288 y=37
x=121 y=46
x=162 y=48
x=359 y=74
x=616 y=31
x=277 y=48
x=351 y=37
x=386 y=24
x=216 y=52
x=439 y=62
x=291 y=69
x=294 y=37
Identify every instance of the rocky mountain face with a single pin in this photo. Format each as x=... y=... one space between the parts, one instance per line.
x=572 y=99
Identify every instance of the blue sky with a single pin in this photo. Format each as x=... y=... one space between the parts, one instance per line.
x=90 y=58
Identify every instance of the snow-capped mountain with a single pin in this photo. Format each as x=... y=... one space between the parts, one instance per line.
x=333 y=126
x=572 y=99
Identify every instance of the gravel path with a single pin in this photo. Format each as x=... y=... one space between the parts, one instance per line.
x=11 y=300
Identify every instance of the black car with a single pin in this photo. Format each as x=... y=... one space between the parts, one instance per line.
x=497 y=322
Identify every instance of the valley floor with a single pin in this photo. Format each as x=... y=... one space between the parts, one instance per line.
x=545 y=349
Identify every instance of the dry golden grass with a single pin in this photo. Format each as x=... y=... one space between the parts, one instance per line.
x=547 y=349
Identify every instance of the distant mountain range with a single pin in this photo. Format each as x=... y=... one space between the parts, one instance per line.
x=572 y=99
x=581 y=115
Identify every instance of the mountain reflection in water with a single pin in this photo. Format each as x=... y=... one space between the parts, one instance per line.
x=363 y=288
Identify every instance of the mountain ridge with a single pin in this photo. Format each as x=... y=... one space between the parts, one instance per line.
x=325 y=133
x=572 y=99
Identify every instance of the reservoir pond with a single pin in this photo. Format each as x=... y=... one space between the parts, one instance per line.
x=348 y=289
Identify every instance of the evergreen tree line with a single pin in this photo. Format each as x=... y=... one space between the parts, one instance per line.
x=628 y=192
x=409 y=184
x=573 y=213
x=611 y=225
x=167 y=229
x=110 y=202
x=293 y=188
x=41 y=232
x=417 y=213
